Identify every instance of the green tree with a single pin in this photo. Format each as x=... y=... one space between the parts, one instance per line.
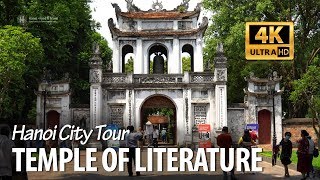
x=186 y=64
x=9 y=12
x=228 y=27
x=80 y=82
x=67 y=46
x=308 y=87
x=21 y=57
x=129 y=65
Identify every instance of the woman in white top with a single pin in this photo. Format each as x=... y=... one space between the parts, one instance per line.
x=311 y=149
x=155 y=136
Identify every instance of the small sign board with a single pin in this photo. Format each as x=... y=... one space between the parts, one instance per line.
x=204 y=135
x=254 y=127
x=204 y=127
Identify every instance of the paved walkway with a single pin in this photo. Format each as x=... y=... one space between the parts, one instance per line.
x=269 y=172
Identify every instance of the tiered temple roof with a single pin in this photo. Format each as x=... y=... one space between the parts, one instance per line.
x=160 y=15
x=180 y=13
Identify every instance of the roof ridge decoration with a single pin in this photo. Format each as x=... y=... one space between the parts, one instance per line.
x=157 y=6
x=198 y=7
x=132 y=7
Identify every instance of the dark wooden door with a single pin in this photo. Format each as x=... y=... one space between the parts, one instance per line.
x=264 y=120
x=53 y=118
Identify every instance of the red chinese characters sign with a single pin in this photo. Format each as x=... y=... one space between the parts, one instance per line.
x=204 y=135
x=204 y=128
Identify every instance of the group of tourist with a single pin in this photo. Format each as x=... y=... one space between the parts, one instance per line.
x=151 y=136
x=306 y=151
x=224 y=140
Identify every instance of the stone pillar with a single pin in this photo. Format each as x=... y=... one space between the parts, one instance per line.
x=139 y=60
x=220 y=78
x=95 y=78
x=278 y=113
x=174 y=62
x=198 y=56
x=175 y=25
x=115 y=57
x=139 y=25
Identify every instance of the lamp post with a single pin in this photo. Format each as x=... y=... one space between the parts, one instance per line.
x=44 y=86
x=272 y=92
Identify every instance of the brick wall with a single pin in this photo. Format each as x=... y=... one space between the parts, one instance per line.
x=295 y=126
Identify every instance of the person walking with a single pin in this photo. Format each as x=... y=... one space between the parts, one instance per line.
x=155 y=136
x=286 y=152
x=6 y=154
x=246 y=142
x=224 y=140
x=303 y=154
x=311 y=149
x=141 y=141
x=164 y=135
x=132 y=143
x=149 y=133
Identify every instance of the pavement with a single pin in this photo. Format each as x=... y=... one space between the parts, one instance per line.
x=269 y=172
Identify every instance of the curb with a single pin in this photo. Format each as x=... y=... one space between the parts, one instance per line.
x=290 y=166
x=269 y=160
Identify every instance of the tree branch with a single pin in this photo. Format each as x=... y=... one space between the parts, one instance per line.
x=313 y=55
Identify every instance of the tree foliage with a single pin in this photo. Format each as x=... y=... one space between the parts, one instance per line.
x=129 y=65
x=308 y=87
x=228 y=27
x=186 y=64
x=66 y=42
x=20 y=53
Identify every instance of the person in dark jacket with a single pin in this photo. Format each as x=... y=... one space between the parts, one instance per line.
x=224 y=140
x=132 y=143
x=286 y=152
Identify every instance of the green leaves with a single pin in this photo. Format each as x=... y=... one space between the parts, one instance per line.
x=308 y=88
x=228 y=27
x=129 y=65
x=308 y=85
x=18 y=51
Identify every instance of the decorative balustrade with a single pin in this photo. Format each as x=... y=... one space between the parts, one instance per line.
x=201 y=77
x=158 y=78
x=117 y=78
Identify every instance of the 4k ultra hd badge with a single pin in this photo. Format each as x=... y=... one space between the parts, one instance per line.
x=269 y=41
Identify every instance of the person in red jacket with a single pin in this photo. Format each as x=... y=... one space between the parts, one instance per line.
x=253 y=135
x=224 y=140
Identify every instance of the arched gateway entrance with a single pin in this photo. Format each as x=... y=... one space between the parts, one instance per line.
x=161 y=112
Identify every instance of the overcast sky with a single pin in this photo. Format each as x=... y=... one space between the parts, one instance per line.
x=102 y=10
